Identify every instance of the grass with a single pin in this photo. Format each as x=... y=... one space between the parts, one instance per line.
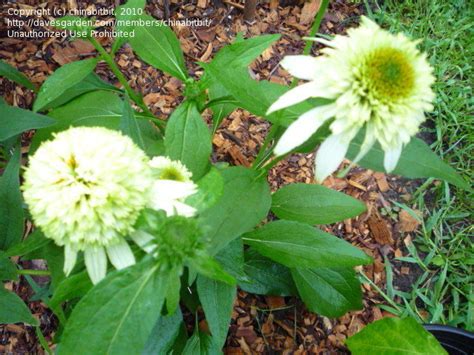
x=444 y=246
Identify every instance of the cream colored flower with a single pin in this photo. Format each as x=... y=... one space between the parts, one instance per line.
x=375 y=80
x=172 y=185
x=85 y=189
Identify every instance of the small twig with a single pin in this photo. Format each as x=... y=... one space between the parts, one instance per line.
x=234 y=4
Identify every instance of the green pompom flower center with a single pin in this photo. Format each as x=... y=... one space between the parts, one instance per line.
x=388 y=75
x=172 y=173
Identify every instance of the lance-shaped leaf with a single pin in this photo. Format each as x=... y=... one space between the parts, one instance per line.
x=393 y=336
x=13 y=74
x=244 y=203
x=314 y=204
x=416 y=161
x=187 y=139
x=266 y=277
x=164 y=333
x=15 y=120
x=61 y=80
x=156 y=44
x=124 y=16
x=11 y=212
x=13 y=309
x=217 y=300
x=118 y=314
x=97 y=108
x=330 y=292
x=92 y=82
x=129 y=124
x=296 y=244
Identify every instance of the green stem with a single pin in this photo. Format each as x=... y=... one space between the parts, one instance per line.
x=34 y=272
x=43 y=341
x=113 y=66
x=314 y=29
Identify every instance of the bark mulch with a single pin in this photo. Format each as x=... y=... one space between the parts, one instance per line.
x=259 y=324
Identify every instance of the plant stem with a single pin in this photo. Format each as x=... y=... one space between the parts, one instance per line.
x=42 y=340
x=113 y=66
x=314 y=29
x=34 y=272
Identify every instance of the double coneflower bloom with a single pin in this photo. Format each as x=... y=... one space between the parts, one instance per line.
x=86 y=188
x=374 y=80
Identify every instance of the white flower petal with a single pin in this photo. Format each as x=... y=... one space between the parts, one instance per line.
x=391 y=158
x=293 y=96
x=70 y=256
x=367 y=144
x=143 y=240
x=303 y=128
x=330 y=154
x=301 y=66
x=182 y=209
x=96 y=263
x=170 y=189
x=120 y=255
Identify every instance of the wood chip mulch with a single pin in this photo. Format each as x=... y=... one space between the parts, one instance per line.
x=259 y=324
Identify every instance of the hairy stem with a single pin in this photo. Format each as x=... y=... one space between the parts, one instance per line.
x=121 y=78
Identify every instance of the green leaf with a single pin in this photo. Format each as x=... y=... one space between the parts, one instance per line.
x=296 y=244
x=34 y=241
x=117 y=315
x=393 y=336
x=54 y=256
x=210 y=189
x=97 y=108
x=416 y=161
x=173 y=288
x=124 y=13
x=217 y=301
x=61 y=80
x=92 y=82
x=232 y=258
x=242 y=53
x=187 y=139
x=244 y=203
x=314 y=204
x=13 y=74
x=11 y=212
x=157 y=45
x=15 y=120
x=13 y=309
x=266 y=277
x=75 y=286
x=330 y=292
x=129 y=125
x=8 y=270
x=164 y=333
x=219 y=111
x=209 y=267
x=200 y=343
x=256 y=96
